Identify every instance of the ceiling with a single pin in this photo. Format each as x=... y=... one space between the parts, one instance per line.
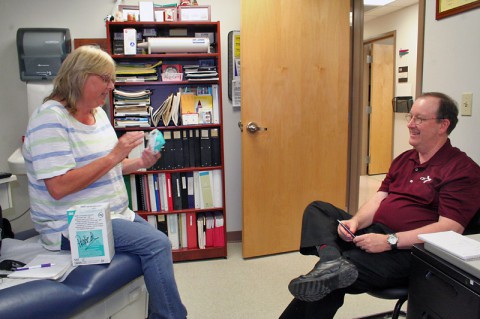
x=373 y=12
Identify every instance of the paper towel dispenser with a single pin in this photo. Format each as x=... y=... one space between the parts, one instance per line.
x=41 y=51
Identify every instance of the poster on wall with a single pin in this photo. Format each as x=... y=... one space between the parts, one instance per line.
x=234 y=85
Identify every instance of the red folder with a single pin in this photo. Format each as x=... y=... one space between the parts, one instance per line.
x=219 y=231
x=191 y=231
x=169 y=192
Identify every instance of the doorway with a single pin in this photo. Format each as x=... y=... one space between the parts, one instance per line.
x=378 y=88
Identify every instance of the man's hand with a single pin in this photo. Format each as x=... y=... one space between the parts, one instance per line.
x=372 y=243
x=351 y=224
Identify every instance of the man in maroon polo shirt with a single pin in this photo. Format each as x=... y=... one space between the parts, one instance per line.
x=431 y=188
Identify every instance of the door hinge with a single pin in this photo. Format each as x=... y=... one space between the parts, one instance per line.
x=369 y=59
x=367 y=159
x=368 y=109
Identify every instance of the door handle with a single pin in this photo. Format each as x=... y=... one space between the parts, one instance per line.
x=252 y=127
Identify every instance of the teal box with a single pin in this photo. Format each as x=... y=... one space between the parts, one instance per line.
x=90 y=233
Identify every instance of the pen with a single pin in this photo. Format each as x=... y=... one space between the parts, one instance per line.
x=346 y=228
x=35 y=267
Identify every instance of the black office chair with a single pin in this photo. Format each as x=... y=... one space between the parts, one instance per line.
x=401 y=293
x=398 y=293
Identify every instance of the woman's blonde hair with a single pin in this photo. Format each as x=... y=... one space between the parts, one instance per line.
x=68 y=84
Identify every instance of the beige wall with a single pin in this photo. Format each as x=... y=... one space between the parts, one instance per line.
x=84 y=18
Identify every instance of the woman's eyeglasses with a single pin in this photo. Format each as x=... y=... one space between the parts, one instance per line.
x=106 y=78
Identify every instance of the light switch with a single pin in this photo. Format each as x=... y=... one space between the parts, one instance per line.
x=466 y=104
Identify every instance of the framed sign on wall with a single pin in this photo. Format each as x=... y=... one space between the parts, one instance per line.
x=446 y=8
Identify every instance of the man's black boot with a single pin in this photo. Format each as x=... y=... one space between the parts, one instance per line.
x=323 y=278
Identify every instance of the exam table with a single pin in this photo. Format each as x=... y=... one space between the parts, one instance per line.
x=114 y=290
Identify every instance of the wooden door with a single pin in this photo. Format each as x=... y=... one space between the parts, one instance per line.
x=295 y=83
x=381 y=116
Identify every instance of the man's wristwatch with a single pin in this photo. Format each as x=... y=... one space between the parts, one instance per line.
x=392 y=240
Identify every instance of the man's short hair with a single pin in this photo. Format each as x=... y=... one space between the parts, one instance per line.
x=447 y=108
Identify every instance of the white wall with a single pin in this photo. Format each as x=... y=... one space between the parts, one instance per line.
x=84 y=18
x=405 y=23
x=452 y=65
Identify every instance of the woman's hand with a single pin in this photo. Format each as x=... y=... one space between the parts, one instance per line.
x=126 y=143
x=149 y=158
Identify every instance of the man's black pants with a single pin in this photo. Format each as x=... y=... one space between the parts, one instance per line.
x=375 y=270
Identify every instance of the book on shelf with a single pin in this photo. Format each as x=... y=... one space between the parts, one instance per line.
x=146 y=193
x=206 y=191
x=142 y=111
x=201 y=228
x=204 y=108
x=173 y=233
x=152 y=220
x=196 y=189
x=217 y=188
x=162 y=223
x=132 y=121
x=182 y=225
x=215 y=104
x=152 y=193
x=162 y=188
x=126 y=95
x=167 y=112
x=133 y=192
x=128 y=187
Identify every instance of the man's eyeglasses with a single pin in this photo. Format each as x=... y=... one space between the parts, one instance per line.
x=106 y=78
x=419 y=120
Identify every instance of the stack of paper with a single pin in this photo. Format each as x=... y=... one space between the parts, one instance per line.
x=454 y=243
x=136 y=72
x=60 y=265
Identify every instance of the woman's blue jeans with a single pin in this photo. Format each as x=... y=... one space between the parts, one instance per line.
x=154 y=250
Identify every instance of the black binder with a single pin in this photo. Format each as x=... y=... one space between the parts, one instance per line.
x=176 y=191
x=169 y=150
x=191 y=148
x=196 y=142
x=140 y=192
x=190 y=190
x=205 y=148
x=184 y=190
x=186 y=149
x=215 y=141
x=178 y=149
x=162 y=223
